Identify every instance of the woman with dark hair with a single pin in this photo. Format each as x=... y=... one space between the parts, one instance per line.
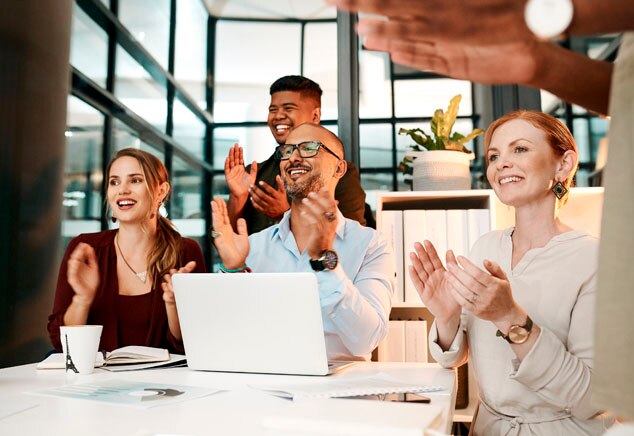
x=521 y=308
x=114 y=278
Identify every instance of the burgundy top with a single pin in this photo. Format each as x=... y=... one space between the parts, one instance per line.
x=134 y=318
x=105 y=307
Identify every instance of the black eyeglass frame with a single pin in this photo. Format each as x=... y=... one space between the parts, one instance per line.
x=320 y=145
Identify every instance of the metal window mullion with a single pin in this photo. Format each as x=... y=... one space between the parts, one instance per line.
x=105 y=18
x=302 y=49
x=101 y=99
x=208 y=150
x=171 y=90
x=393 y=122
x=108 y=126
x=348 y=84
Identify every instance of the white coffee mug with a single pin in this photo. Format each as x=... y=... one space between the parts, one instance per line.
x=80 y=344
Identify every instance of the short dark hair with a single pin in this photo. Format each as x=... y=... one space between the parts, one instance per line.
x=306 y=87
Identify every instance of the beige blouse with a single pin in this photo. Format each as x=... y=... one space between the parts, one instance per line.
x=548 y=393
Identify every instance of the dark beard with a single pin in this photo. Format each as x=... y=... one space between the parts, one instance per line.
x=301 y=190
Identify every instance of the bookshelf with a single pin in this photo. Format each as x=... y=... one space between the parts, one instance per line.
x=410 y=204
x=583 y=210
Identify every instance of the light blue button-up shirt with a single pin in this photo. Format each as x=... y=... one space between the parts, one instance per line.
x=356 y=297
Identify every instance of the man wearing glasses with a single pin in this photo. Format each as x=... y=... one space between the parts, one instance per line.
x=257 y=193
x=353 y=264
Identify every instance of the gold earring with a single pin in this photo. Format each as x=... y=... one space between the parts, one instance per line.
x=559 y=190
x=158 y=205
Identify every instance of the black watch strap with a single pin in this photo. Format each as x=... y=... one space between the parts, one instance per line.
x=528 y=326
x=327 y=261
x=317 y=265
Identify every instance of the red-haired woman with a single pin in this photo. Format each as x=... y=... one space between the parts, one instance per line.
x=522 y=306
x=114 y=278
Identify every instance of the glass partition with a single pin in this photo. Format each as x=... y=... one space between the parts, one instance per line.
x=124 y=137
x=320 y=64
x=186 y=201
x=83 y=176
x=257 y=142
x=137 y=90
x=375 y=89
x=189 y=130
x=376 y=145
x=89 y=47
x=421 y=97
x=245 y=71
x=190 y=64
x=148 y=21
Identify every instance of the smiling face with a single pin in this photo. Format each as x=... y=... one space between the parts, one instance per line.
x=302 y=176
x=289 y=109
x=522 y=166
x=128 y=193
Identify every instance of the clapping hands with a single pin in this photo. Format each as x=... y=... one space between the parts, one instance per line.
x=232 y=247
x=168 y=288
x=238 y=179
x=270 y=201
x=83 y=273
x=321 y=214
x=484 y=293
x=431 y=280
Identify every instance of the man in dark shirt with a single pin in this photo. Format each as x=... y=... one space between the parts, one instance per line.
x=256 y=193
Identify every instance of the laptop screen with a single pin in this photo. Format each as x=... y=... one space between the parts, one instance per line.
x=259 y=322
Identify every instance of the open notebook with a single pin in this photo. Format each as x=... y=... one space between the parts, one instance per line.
x=379 y=384
x=260 y=322
x=134 y=355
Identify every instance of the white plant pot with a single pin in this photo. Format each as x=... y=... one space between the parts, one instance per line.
x=440 y=170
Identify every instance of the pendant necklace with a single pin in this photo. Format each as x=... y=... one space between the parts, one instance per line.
x=140 y=275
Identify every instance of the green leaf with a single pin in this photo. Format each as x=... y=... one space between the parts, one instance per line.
x=441 y=125
x=437 y=123
x=471 y=135
x=456 y=136
x=457 y=146
x=450 y=116
x=422 y=139
x=440 y=144
x=410 y=131
x=406 y=169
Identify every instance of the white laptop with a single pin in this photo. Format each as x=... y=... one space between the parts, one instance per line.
x=259 y=322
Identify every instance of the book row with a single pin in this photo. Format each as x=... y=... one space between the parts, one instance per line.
x=406 y=341
x=455 y=229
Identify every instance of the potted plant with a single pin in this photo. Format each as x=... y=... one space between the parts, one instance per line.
x=441 y=161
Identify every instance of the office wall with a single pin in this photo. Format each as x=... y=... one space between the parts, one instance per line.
x=34 y=81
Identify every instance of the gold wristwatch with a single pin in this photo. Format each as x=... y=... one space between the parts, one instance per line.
x=518 y=334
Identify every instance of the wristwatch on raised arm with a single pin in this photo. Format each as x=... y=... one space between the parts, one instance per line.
x=518 y=334
x=328 y=260
x=548 y=19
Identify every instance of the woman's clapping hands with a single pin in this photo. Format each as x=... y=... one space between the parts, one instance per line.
x=484 y=293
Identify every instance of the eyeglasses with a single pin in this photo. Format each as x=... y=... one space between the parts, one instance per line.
x=305 y=149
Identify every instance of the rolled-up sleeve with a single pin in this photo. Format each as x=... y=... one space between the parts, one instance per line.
x=458 y=352
x=359 y=308
x=559 y=372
